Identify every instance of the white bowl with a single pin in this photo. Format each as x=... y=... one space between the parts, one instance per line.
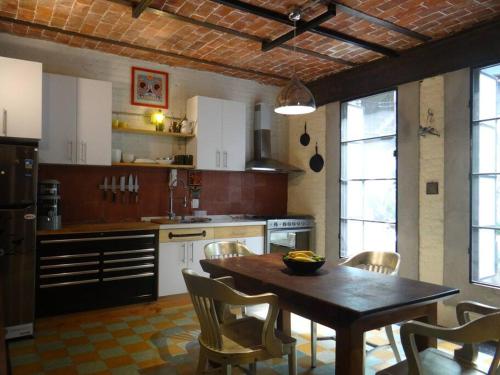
x=165 y=161
x=128 y=158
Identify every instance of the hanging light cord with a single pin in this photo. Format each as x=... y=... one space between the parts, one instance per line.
x=294 y=46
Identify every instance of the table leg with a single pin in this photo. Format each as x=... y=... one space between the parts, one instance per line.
x=423 y=342
x=285 y=322
x=349 y=351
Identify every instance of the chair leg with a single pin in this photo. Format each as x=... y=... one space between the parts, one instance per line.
x=292 y=361
x=202 y=362
x=226 y=369
x=314 y=339
x=253 y=368
x=392 y=342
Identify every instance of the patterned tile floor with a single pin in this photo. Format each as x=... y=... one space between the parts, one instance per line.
x=158 y=338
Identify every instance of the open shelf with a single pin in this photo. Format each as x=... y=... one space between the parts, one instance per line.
x=154 y=133
x=153 y=165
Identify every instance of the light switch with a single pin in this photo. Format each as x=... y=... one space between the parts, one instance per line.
x=432 y=188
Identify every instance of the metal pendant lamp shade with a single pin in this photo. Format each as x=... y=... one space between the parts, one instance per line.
x=295 y=99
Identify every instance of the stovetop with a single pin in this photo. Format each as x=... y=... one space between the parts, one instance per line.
x=285 y=221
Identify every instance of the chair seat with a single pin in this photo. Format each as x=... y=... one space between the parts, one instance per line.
x=435 y=362
x=244 y=336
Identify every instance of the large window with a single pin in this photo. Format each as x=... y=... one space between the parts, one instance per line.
x=368 y=174
x=485 y=177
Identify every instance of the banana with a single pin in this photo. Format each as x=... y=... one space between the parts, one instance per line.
x=300 y=253
x=303 y=259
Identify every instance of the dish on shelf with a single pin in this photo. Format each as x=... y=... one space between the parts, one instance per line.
x=165 y=161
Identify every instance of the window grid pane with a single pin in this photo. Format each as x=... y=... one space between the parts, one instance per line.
x=485 y=177
x=368 y=174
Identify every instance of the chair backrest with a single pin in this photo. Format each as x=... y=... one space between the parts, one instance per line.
x=386 y=262
x=203 y=291
x=226 y=249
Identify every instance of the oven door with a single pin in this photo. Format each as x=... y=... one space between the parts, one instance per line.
x=285 y=240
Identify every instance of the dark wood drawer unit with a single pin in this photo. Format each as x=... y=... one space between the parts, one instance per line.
x=77 y=272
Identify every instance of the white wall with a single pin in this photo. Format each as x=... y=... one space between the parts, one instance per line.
x=183 y=83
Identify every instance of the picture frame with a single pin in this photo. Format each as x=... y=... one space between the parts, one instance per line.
x=149 y=88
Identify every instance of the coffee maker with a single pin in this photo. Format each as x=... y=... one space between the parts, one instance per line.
x=49 y=205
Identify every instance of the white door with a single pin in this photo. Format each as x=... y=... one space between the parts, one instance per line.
x=94 y=122
x=58 y=144
x=207 y=114
x=173 y=258
x=196 y=253
x=20 y=98
x=233 y=135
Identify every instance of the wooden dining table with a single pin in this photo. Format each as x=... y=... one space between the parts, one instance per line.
x=352 y=301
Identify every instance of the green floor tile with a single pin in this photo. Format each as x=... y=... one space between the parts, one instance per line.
x=112 y=352
x=91 y=367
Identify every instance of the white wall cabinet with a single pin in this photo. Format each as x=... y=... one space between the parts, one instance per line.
x=220 y=133
x=76 y=121
x=20 y=98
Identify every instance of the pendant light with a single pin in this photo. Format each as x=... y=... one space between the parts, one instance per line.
x=295 y=98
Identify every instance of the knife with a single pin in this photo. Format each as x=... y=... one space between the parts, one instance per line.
x=105 y=189
x=113 y=188
x=122 y=188
x=130 y=187
x=136 y=188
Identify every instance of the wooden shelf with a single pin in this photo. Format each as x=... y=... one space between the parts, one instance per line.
x=153 y=165
x=154 y=133
x=147 y=115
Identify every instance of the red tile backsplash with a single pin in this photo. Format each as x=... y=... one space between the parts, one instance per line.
x=221 y=193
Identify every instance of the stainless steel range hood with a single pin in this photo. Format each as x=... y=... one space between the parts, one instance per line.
x=262 y=161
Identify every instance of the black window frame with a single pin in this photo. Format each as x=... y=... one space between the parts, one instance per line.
x=396 y=135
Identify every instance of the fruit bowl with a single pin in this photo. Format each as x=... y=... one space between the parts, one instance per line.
x=303 y=262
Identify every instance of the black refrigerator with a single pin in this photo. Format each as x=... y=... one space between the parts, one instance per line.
x=18 y=187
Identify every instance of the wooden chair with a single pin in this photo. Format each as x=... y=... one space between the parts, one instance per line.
x=432 y=361
x=226 y=249
x=376 y=261
x=227 y=340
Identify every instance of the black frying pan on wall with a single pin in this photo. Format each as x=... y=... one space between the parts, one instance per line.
x=316 y=163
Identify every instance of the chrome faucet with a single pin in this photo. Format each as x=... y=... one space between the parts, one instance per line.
x=171 y=187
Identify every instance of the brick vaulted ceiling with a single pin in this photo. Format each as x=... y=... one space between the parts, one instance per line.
x=206 y=35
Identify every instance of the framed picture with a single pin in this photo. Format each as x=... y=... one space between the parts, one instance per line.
x=149 y=88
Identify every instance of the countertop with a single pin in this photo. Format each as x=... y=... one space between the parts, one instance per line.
x=216 y=221
x=100 y=227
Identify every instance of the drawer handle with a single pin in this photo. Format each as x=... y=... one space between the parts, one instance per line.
x=67 y=240
x=68 y=265
x=69 y=283
x=172 y=235
x=138 y=259
x=129 y=252
x=149 y=265
x=147 y=274
x=63 y=274
x=87 y=255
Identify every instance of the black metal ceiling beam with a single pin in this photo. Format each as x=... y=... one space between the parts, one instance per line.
x=329 y=33
x=331 y=12
x=239 y=34
x=140 y=7
x=381 y=22
x=138 y=47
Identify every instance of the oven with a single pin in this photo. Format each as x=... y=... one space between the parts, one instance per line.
x=290 y=233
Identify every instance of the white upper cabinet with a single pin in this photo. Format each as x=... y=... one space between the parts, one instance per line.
x=76 y=121
x=220 y=133
x=20 y=98
x=93 y=131
x=58 y=144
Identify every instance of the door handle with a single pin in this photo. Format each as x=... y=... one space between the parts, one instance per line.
x=192 y=253
x=81 y=152
x=4 y=128
x=70 y=150
x=85 y=150
x=217 y=158
x=184 y=253
x=225 y=159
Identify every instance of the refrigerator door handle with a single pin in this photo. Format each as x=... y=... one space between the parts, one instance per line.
x=70 y=150
x=4 y=128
